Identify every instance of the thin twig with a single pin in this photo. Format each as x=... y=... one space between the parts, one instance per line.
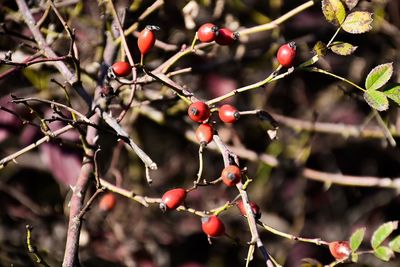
x=32 y=249
x=14 y=156
x=316 y=241
x=275 y=23
x=89 y=203
x=255 y=239
x=60 y=65
x=345 y=130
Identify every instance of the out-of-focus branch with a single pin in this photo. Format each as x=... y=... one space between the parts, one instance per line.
x=275 y=23
x=345 y=130
x=351 y=180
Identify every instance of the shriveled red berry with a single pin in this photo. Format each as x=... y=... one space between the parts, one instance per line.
x=228 y=113
x=121 y=69
x=212 y=226
x=107 y=202
x=226 y=36
x=340 y=250
x=172 y=199
x=204 y=133
x=254 y=208
x=207 y=32
x=147 y=39
x=286 y=54
x=231 y=175
x=199 y=111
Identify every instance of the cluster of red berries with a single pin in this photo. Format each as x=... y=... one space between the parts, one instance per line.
x=209 y=32
x=212 y=226
x=200 y=112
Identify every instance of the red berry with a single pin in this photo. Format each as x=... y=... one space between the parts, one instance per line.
x=340 y=250
x=212 y=226
x=207 y=32
x=231 y=175
x=147 y=39
x=172 y=199
x=107 y=202
x=228 y=114
x=199 y=111
x=286 y=54
x=226 y=37
x=121 y=69
x=204 y=133
x=254 y=208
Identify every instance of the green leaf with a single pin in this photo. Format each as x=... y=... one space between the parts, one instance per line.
x=379 y=76
x=342 y=48
x=393 y=93
x=383 y=253
x=334 y=11
x=382 y=233
x=376 y=99
x=356 y=239
x=351 y=3
x=320 y=49
x=395 y=244
x=358 y=22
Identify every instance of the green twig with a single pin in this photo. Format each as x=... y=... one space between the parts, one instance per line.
x=246 y=88
x=314 y=69
x=32 y=249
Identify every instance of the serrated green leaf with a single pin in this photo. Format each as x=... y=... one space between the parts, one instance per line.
x=393 y=93
x=395 y=244
x=351 y=3
x=382 y=233
x=333 y=11
x=376 y=99
x=342 y=48
x=379 y=76
x=356 y=239
x=383 y=253
x=358 y=22
x=320 y=49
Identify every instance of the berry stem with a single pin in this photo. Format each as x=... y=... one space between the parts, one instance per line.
x=141 y=59
x=256 y=85
x=199 y=173
x=334 y=36
x=318 y=70
x=217 y=211
x=194 y=42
